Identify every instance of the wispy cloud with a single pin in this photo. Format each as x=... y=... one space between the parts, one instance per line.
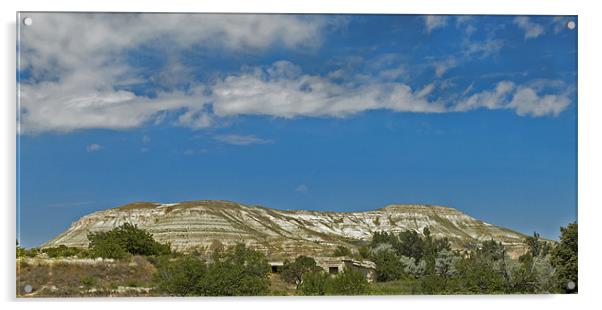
x=532 y=30
x=241 y=139
x=432 y=22
x=93 y=148
x=302 y=188
x=532 y=99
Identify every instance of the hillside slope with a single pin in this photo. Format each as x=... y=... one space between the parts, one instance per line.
x=199 y=225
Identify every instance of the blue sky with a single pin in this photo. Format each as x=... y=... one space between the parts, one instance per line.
x=320 y=112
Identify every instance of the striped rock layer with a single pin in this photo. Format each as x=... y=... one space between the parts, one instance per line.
x=204 y=224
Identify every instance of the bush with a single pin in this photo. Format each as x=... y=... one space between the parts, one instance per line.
x=364 y=252
x=103 y=245
x=180 y=277
x=341 y=251
x=22 y=252
x=564 y=258
x=236 y=272
x=478 y=275
x=314 y=283
x=123 y=240
x=349 y=282
x=88 y=281
x=388 y=267
x=64 y=251
x=292 y=272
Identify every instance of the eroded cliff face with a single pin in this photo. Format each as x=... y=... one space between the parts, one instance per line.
x=199 y=225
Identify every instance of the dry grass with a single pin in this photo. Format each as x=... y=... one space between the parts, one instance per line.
x=280 y=288
x=55 y=278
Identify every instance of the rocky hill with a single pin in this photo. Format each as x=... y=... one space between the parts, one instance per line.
x=201 y=225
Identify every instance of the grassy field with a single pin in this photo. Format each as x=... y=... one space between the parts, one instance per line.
x=77 y=278
x=133 y=277
x=398 y=287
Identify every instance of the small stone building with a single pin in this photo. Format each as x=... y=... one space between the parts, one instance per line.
x=276 y=266
x=334 y=265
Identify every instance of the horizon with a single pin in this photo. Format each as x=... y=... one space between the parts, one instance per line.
x=297 y=112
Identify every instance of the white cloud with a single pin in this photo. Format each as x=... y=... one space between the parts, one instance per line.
x=483 y=48
x=302 y=188
x=441 y=66
x=532 y=30
x=432 y=22
x=241 y=140
x=289 y=95
x=525 y=100
x=79 y=73
x=93 y=148
x=78 y=66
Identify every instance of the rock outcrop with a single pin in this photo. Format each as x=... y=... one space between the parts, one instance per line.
x=204 y=224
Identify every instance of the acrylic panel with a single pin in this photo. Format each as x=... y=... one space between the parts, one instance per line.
x=295 y=154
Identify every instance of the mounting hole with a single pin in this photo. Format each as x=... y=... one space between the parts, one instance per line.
x=27 y=21
x=570 y=285
x=571 y=25
x=27 y=288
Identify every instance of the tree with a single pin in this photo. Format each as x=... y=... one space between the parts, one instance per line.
x=412 y=267
x=383 y=237
x=364 y=252
x=181 y=277
x=342 y=251
x=388 y=267
x=104 y=245
x=492 y=250
x=349 y=282
x=536 y=246
x=238 y=271
x=445 y=263
x=524 y=280
x=123 y=240
x=429 y=251
x=293 y=272
x=410 y=245
x=564 y=258
x=478 y=274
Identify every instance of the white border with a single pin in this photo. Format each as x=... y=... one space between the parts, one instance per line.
x=590 y=154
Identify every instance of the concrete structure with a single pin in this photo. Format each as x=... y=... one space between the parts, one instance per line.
x=334 y=265
x=276 y=266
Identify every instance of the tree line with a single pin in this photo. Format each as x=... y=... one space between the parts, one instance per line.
x=427 y=264
x=437 y=269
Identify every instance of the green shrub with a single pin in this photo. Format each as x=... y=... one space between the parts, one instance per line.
x=564 y=258
x=342 y=251
x=102 y=245
x=388 y=266
x=349 y=282
x=292 y=272
x=314 y=283
x=180 y=277
x=63 y=251
x=88 y=281
x=238 y=271
x=123 y=240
